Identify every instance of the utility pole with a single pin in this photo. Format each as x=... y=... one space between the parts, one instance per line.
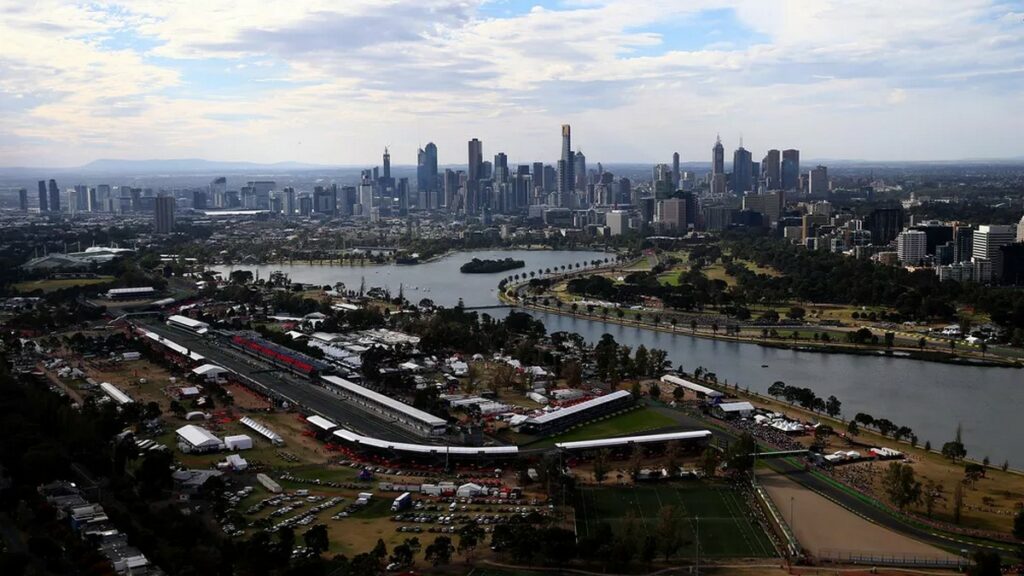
x=698 y=546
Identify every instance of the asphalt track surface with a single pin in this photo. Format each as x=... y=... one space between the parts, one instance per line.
x=283 y=384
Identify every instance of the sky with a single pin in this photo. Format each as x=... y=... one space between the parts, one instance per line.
x=332 y=82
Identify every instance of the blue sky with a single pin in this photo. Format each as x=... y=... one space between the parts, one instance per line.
x=329 y=82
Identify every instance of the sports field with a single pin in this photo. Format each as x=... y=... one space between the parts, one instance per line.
x=714 y=510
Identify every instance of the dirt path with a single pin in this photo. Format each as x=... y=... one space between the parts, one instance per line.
x=822 y=525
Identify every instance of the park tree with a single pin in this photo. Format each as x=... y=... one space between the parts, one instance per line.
x=900 y=485
x=853 y=429
x=740 y=457
x=670 y=531
x=316 y=539
x=601 y=465
x=833 y=406
x=778 y=388
x=470 y=536
x=930 y=496
x=710 y=458
x=439 y=551
x=655 y=391
x=955 y=450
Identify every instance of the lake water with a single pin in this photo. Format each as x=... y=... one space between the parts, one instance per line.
x=929 y=397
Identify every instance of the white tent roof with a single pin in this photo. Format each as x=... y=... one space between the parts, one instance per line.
x=209 y=370
x=737 y=407
x=198 y=437
x=321 y=422
x=647 y=438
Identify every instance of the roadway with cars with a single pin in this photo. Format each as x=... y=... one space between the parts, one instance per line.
x=284 y=385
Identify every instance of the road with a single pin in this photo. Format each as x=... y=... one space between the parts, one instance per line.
x=283 y=384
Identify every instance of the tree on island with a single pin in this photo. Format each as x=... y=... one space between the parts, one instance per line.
x=955 y=450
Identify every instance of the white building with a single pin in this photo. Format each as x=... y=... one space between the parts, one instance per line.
x=911 y=247
x=987 y=241
x=618 y=222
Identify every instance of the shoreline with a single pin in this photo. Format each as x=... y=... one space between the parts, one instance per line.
x=802 y=346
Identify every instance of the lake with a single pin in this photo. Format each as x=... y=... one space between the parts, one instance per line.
x=929 y=397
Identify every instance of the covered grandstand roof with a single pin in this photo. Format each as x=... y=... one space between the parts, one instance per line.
x=415 y=413
x=115 y=393
x=191 y=324
x=209 y=370
x=173 y=346
x=581 y=407
x=321 y=423
x=684 y=383
x=352 y=437
x=625 y=440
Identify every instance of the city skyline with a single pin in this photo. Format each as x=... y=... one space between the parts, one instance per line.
x=302 y=82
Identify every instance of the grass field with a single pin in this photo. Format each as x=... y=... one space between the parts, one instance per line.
x=631 y=422
x=714 y=510
x=56 y=284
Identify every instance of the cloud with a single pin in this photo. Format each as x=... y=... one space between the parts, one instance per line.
x=637 y=78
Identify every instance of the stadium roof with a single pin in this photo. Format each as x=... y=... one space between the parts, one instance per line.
x=174 y=346
x=349 y=436
x=198 y=437
x=736 y=407
x=207 y=369
x=415 y=413
x=321 y=422
x=673 y=379
x=191 y=324
x=625 y=440
x=581 y=407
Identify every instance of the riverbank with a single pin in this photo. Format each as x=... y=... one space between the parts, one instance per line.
x=831 y=347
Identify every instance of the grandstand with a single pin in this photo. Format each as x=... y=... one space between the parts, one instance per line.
x=286 y=358
x=560 y=420
x=409 y=449
x=390 y=409
x=263 y=430
x=186 y=323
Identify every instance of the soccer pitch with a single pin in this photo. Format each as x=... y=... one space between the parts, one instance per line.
x=716 y=511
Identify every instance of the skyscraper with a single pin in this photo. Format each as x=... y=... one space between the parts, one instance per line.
x=54 y=196
x=675 y=170
x=987 y=241
x=387 y=164
x=163 y=221
x=476 y=160
x=500 y=172
x=23 y=200
x=770 y=170
x=818 y=182
x=44 y=205
x=566 y=165
x=426 y=176
x=791 y=170
x=718 y=157
x=741 y=170
x=218 y=190
x=579 y=170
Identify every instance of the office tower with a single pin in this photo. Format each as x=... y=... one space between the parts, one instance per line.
x=987 y=242
x=911 y=247
x=885 y=224
x=550 y=180
x=566 y=179
x=426 y=175
x=538 y=174
x=305 y=206
x=54 y=196
x=44 y=205
x=163 y=221
x=23 y=200
x=199 y=200
x=260 y=191
x=402 y=190
x=476 y=160
x=769 y=205
x=675 y=170
x=72 y=203
x=963 y=242
x=718 y=157
x=579 y=171
x=770 y=170
x=617 y=222
x=673 y=214
x=661 y=182
x=451 y=188
x=94 y=203
x=348 y=197
x=741 y=171
x=387 y=165
x=81 y=198
x=218 y=191
x=817 y=182
x=287 y=196
x=323 y=201
x=790 y=171
x=500 y=173
x=365 y=199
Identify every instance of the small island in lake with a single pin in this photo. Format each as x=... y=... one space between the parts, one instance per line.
x=478 y=266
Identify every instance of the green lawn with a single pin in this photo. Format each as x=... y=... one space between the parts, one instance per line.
x=629 y=423
x=714 y=510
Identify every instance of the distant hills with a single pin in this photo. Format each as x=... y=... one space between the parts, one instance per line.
x=191 y=165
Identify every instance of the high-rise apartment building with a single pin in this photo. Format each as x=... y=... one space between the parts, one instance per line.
x=23 y=200
x=673 y=214
x=44 y=204
x=476 y=161
x=675 y=170
x=54 y=194
x=911 y=247
x=566 y=167
x=163 y=217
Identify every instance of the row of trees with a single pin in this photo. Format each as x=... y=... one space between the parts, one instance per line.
x=806 y=398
